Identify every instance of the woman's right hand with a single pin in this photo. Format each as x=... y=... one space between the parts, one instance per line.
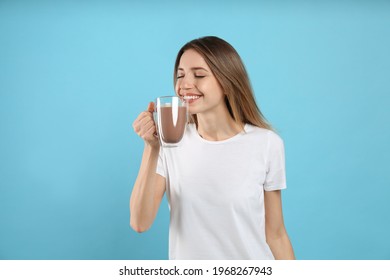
x=145 y=127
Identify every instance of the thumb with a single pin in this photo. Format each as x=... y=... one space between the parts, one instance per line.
x=151 y=107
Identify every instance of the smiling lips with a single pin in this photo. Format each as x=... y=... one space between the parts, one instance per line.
x=190 y=98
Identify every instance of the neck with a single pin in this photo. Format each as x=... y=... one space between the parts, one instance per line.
x=218 y=127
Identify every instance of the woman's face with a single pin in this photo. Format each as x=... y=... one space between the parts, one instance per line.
x=197 y=84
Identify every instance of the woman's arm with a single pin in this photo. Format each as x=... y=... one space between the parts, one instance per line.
x=276 y=233
x=148 y=191
x=149 y=187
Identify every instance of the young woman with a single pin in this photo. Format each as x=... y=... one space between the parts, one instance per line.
x=223 y=182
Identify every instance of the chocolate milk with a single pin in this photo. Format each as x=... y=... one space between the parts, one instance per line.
x=172 y=125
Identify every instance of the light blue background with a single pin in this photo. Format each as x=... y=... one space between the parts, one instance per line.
x=74 y=76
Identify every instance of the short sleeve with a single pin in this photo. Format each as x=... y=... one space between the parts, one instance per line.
x=276 y=170
x=161 y=164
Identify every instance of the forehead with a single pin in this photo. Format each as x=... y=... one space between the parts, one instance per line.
x=192 y=59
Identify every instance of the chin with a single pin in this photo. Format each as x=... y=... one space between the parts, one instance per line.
x=192 y=111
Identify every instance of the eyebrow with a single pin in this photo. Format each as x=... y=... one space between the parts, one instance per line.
x=193 y=68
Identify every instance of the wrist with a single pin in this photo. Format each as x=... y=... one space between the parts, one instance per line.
x=153 y=148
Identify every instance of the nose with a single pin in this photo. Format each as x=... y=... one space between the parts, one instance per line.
x=186 y=82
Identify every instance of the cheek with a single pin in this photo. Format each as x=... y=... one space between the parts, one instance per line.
x=177 y=87
x=203 y=86
x=217 y=91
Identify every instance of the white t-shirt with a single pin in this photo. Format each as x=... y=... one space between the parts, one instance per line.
x=215 y=191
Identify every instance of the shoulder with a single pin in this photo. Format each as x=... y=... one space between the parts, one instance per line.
x=264 y=133
x=265 y=139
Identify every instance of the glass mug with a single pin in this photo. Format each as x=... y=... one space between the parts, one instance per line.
x=171 y=118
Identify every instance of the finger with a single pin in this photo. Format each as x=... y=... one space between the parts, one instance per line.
x=141 y=119
x=146 y=128
x=152 y=133
x=145 y=122
x=153 y=130
x=136 y=122
x=142 y=115
x=137 y=125
x=151 y=107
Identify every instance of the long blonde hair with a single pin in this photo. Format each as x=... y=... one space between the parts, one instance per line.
x=230 y=72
